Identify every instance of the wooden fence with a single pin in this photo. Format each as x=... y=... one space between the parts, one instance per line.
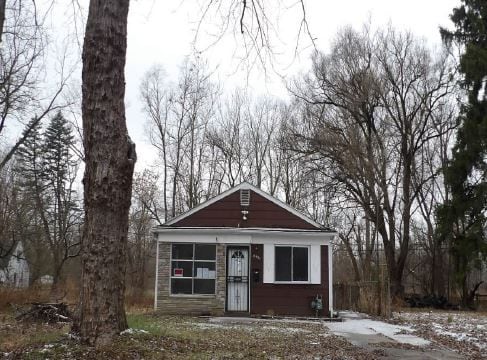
x=370 y=297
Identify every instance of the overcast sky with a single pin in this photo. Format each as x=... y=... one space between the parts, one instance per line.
x=162 y=32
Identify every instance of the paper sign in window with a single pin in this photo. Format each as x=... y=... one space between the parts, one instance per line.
x=178 y=272
x=203 y=273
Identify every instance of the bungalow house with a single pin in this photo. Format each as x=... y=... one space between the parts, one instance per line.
x=243 y=252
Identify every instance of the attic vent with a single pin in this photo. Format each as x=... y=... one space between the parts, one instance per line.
x=244 y=197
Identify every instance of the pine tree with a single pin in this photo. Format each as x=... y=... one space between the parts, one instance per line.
x=58 y=160
x=30 y=185
x=462 y=218
x=46 y=169
x=29 y=159
x=60 y=207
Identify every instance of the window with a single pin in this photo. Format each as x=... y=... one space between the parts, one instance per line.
x=291 y=263
x=193 y=269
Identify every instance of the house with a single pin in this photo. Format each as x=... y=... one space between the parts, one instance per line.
x=243 y=252
x=14 y=269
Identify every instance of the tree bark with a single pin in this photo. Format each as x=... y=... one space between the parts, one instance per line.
x=2 y=17
x=110 y=158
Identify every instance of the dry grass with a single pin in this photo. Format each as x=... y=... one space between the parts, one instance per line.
x=15 y=336
x=11 y=298
x=170 y=337
x=139 y=302
x=367 y=302
x=20 y=297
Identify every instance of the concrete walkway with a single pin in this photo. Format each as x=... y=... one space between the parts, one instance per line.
x=381 y=337
x=361 y=330
x=383 y=340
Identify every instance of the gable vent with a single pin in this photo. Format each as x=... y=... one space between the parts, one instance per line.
x=244 y=197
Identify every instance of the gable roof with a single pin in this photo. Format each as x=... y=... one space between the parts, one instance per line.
x=298 y=216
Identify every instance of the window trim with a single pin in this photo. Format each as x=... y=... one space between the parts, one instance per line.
x=308 y=248
x=171 y=276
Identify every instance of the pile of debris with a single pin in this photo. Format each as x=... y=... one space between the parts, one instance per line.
x=47 y=313
x=429 y=301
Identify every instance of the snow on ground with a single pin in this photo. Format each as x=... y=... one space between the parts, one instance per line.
x=398 y=333
x=131 y=331
x=462 y=328
x=248 y=325
x=360 y=329
x=285 y=330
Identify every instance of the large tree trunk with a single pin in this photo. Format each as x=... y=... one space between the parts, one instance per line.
x=2 y=17
x=110 y=158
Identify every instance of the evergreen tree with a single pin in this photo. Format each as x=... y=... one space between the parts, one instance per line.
x=29 y=159
x=462 y=217
x=60 y=208
x=57 y=157
x=30 y=183
x=47 y=171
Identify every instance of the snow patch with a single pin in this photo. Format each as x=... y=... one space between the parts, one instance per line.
x=131 y=331
x=462 y=327
x=251 y=327
x=46 y=348
x=286 y=330
x=357 y=326
x=210 y=326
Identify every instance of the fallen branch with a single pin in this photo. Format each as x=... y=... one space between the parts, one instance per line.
x=47 y=313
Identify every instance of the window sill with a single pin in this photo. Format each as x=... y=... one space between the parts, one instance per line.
x=292 y=282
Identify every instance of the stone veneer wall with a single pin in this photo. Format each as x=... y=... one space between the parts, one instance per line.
x=189 y=304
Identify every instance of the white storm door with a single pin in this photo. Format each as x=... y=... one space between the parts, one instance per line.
x=237 y=279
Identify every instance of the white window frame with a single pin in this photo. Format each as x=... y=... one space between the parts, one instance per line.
x=307 y=247
x=171 y=275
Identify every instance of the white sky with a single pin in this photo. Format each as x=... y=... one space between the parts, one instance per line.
x=162 y=32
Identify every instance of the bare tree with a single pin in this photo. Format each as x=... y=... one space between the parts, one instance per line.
x=226 y=135
x=259 y=132
x=200 y=104
x=148 y=195
x=143 y=216
x=156 y=101
x=110 y=157
x=22 y=66
x=8 y=205
x=109 y=164
x=369 y=107
x=434 y=157
x=255 y=33
x=178 y=117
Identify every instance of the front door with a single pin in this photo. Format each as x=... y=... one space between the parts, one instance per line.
x=237 y=279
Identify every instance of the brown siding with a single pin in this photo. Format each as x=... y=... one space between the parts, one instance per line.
x=286 y=299
x=226 y=212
